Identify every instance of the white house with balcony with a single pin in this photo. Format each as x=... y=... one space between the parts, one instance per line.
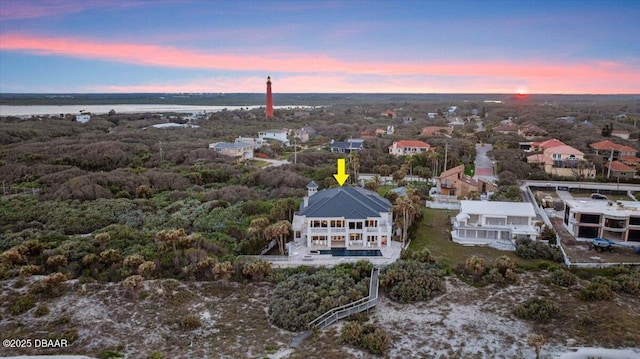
x=281 y=135
x=343 y=217
x=589 y=218
x=496 y=224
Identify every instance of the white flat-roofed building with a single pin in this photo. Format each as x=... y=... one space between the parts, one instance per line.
x=591 y=218
x=494 y=224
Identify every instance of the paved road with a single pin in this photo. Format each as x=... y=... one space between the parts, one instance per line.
x=484 y=165
x=272 y=162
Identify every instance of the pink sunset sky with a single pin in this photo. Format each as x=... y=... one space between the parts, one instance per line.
x=302 y=54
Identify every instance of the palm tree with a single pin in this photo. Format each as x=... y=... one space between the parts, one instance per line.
x=407 y=210
x=536 y=341
x=282 y=230
x=257 y=226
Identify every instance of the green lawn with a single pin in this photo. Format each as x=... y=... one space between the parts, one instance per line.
x=382 y=190
x=433 y=233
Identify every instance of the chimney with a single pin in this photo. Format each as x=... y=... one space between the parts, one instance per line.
x=306 y=201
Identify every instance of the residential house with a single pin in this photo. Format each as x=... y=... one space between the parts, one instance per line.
x=543 y=145
x=281 y=135
x=495 y=224
x=301 y=134
x=389 y=113
x=454 y=182
x=255 y=143
x=432 y=115
x=624 y=134
x=348 y=146
x=83 y=117
x=563 y=161
x=343 y=217
x=408 y=148
x=530 y=131
x=436 y=131
x=380 y=132
x=618 y=170
x=242 y=151
x=452 y=110
x=618 y=221
x=506 y=129
x=612 y=151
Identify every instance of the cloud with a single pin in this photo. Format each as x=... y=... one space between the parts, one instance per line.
x=20 y=9
x=610 y=76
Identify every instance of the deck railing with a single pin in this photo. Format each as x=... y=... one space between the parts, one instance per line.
x=346 y=310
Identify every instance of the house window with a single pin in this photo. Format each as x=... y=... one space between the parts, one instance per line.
x=371 y=223
x=355 y=225
x=337 y=224
x=323 y=224
x=315 y=224
x=298 y=235
x=556 y=156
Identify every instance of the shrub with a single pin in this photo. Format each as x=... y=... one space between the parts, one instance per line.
x=23 y=304
x=12 y=257
x=57 y=261
x=411 y=281
x=30 y=269
x=563 y=278
x=133 y=261
x=191 y=322
x=598 y=289
x=257 y=270
x=476 y=266
x=41 y=311
x=629 y=283
x=538 y=310
x=53 y=284
x=147 y=269
x=301 y=297
x=528 y=249
x=366 y=336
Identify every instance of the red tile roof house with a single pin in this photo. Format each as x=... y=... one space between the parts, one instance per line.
x=531 y=131
x=408 y=148
x=564 y=161
x=543 y=145
x=506 y=129
x=605 y=148
x=617 y=169
x=436 y=130
x=453 y=182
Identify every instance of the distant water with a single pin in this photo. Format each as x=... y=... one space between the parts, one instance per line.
x=101 y=109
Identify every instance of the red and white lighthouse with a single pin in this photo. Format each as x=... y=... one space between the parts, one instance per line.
x=269 y=110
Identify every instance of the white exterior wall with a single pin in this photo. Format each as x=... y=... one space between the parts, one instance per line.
x=279 y=136
x=369 y=237
x=488 y=229
x=83 y=118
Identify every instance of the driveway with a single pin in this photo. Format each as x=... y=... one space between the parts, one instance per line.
x=484 y=165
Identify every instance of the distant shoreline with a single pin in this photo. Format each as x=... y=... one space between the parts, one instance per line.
x=39 y=110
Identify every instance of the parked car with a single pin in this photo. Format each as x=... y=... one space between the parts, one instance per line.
x=598 y=196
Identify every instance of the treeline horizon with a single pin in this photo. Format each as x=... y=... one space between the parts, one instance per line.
x=286 y=99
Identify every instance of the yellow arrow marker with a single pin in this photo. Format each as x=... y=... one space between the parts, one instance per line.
x=341 y=176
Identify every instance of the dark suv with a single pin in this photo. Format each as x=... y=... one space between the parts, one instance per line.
x=598 y=196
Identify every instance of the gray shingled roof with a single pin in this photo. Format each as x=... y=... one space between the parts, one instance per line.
x=348 y=202
x=221 y=145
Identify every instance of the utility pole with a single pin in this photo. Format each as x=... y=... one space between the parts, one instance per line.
x=610 y=160
x=446 y=150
